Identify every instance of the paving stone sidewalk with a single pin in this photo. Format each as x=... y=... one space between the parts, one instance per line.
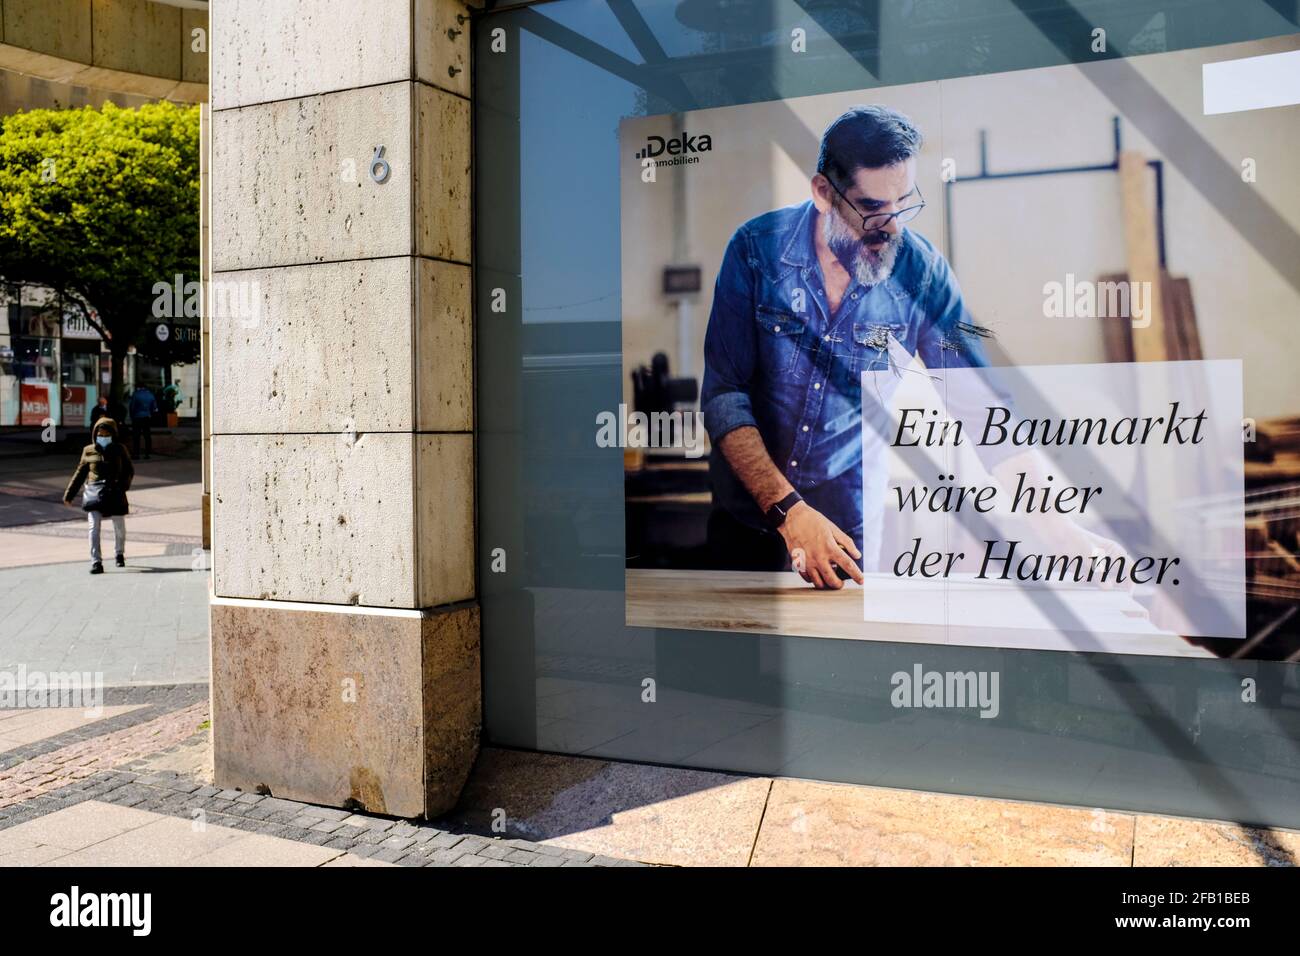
x=146 y=623
x=379 y=838
x=116 y=761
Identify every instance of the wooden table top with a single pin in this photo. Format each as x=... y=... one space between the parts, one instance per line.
x=957 y=612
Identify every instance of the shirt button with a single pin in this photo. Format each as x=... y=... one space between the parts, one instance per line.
x=826 y=337
x=816 y=385
x=794 y=464
x=776 y=328
x=805 y=428
x=853 y=296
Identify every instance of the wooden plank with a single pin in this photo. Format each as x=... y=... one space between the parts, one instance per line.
x=1182 y=338
x=1142 y=254
x=1117 y=334
x=964 y=613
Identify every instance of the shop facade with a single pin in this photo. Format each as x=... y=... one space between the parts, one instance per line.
x=530 y=204
x=54 y=364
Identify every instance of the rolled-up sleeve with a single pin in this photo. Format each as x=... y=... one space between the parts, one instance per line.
x=730 y=345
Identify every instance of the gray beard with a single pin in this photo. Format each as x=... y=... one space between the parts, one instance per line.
x=854 y=256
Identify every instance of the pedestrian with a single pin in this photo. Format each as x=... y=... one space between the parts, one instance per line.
x=106 y=471
x=101 y=410
x=173 y=396
x=143 y=407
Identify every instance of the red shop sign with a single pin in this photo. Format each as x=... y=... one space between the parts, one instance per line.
x=35 y=401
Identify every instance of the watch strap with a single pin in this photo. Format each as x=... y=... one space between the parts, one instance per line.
x=775 y=515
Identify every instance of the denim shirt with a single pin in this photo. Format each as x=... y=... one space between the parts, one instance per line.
x=776 y=358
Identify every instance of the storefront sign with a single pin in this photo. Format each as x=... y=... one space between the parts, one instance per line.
x=75 y=405
x=76 y=326
x=35 y=401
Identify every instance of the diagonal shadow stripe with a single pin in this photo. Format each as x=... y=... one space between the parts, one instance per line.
x=1217 y=180
x=651 y=51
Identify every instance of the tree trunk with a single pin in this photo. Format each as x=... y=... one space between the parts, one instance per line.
x=117 y=382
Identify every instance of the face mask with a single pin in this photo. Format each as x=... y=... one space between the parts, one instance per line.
x=103 y=441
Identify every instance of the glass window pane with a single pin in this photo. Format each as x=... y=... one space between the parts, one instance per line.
x=586 y=274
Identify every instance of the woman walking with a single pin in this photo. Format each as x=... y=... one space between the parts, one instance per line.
x=106 y=471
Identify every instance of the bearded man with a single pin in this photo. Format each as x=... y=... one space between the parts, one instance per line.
x=807 y=299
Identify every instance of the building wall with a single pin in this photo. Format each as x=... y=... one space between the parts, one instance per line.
x=98 y=48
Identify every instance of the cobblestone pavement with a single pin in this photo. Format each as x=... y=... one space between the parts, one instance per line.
x=46 y=772
x=117 y=761
x=153 y=701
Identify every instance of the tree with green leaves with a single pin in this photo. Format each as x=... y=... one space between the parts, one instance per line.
x=101 y=205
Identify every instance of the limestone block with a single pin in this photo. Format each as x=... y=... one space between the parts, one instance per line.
x=445 y=520
x=442 y=44
x=58 y=27
x=329 y=347
x=327 y=518
x=291 y=181
x=444 y=347
x=453 y=703
x=339 y=343
x=379 y=519
x=136 y=84
x=194 y=63
x=292 y=48
x=376 y=712
x=138 y=36
x=188 y=93
x=442 y=177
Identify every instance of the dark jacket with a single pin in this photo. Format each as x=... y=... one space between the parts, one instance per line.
x=100 y=411
x=143 y=405
x=111 y=464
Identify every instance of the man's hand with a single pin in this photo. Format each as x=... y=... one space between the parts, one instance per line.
x=817 y=547
x=67 y=503
x=1062 y=533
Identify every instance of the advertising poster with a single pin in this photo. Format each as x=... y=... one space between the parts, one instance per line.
x=898 y=367
x=35 y=404
x=77 y=403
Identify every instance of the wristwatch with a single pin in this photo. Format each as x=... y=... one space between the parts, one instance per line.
x=774 y=517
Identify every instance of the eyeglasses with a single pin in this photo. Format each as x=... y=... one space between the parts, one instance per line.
x=879 y=220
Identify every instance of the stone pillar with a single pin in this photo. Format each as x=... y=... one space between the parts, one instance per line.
x=345 y=632
x=205 y=340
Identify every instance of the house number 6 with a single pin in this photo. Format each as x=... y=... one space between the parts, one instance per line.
x=379 y=168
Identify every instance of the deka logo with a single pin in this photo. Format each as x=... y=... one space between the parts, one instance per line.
x=683 y=145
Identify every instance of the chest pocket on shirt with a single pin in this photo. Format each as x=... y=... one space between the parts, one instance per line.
x=871 y=345
x=780 y=335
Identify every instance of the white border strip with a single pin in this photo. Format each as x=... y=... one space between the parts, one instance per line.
x=1254 y=83
x=317 y=608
